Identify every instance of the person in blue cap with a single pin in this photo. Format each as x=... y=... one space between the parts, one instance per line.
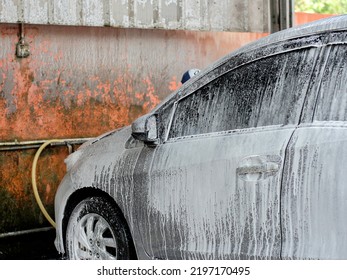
x=189 y=74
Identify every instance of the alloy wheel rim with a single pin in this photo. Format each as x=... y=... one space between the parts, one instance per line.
x=93 y=239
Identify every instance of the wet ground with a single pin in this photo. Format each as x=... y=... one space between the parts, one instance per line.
x=37 y=245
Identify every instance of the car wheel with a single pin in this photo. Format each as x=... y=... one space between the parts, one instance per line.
x=95 y=231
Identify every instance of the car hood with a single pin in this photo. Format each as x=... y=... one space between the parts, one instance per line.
x=111 y=141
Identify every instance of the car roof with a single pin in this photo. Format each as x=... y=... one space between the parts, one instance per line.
x=334 y=23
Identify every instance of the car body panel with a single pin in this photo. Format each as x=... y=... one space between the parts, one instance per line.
x=110 y=171
x=314 y=195
x=197 y=206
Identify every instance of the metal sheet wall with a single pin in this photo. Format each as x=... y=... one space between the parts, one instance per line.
x=224 y=15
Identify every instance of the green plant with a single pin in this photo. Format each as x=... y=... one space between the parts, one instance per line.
x=321 y=6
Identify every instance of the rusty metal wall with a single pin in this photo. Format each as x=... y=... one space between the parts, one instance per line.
x=223 y=15
x=81 y=82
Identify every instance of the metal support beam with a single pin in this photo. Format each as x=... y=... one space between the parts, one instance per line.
x=281 y=14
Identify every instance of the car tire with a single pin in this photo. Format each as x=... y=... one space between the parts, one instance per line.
x=96 y=230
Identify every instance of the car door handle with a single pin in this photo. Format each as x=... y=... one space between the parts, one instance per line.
x=267 y=167
x=256 y=168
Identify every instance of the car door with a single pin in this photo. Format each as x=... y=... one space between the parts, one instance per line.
x=213 y=187
x=314 y=192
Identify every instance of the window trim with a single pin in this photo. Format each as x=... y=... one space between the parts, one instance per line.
x=239 y=131
x=175 y=105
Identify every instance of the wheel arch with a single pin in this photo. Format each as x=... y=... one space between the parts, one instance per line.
x=84 y=193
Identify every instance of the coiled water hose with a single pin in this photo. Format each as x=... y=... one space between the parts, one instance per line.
x=33 y=179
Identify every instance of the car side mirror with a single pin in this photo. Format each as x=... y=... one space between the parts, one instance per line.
x=145 y=129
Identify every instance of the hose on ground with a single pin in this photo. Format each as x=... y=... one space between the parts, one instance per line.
x=33 y=180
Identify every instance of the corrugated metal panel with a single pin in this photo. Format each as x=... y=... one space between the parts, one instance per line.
x=224 y=15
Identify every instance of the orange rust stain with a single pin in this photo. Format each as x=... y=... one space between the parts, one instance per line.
x=174 y=84
x=45 y=46
x=48 y=194
x=105 y=87
x=139 y=96
x=9 y=176
x=16 y=189
x=301 y=17
x=80 y=99
x=58 y=56
x=16 y=177
x=150 y=99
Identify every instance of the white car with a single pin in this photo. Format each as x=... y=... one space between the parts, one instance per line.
x=247 y=160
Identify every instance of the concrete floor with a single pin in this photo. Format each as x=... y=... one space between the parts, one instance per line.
x=29 y=246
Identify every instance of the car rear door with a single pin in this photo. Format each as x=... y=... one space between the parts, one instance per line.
x=214 y=185
x=314 y=204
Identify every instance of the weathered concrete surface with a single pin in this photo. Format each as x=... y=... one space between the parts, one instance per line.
x=223 y=15
x=37 y=245
x=301 y=18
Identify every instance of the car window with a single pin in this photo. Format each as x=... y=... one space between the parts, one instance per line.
x=331 y=102
x=269 y=91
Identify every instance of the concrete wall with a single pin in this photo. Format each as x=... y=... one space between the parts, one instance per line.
x=223 y=15
x=301 y=18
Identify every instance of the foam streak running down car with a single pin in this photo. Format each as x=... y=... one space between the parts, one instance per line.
x=247 y=160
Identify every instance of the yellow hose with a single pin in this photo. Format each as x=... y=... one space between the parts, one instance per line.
x=33 y=179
